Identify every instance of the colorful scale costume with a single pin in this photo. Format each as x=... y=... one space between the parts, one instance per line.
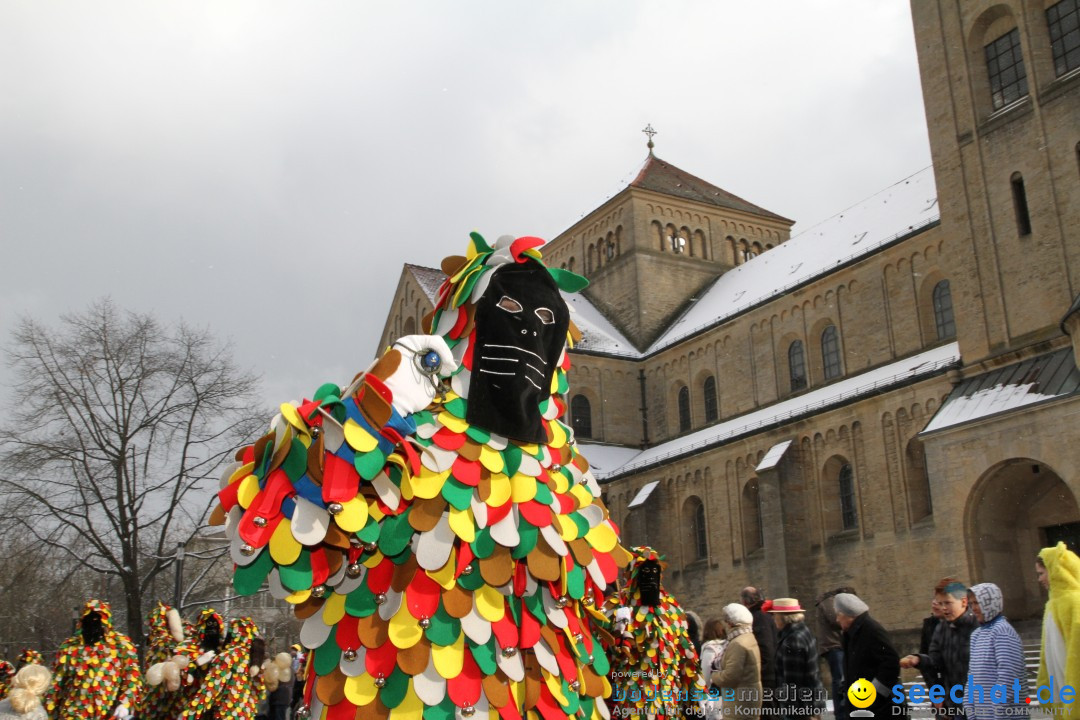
x=654 y=663
x=96 y=670
x=228 y=690
x=443 y=557
x=28 y=657
x=7 y=672
x=205 y=642
x=160 y=703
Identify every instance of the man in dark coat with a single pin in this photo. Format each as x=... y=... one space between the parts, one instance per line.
x=868 y=653
x=950 y=646
x=764 y=633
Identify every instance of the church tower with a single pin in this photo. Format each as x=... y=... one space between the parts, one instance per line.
x=651 y=249
x=1001 y=82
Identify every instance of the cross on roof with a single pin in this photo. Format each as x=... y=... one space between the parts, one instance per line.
x=650 y=132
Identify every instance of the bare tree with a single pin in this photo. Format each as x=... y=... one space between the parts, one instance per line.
x=117 y=432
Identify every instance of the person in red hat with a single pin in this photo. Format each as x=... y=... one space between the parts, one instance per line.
x=799 y=691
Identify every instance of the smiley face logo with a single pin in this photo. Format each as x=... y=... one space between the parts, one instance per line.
x=862 y=693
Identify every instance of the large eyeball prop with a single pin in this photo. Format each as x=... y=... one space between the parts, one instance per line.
x=422 y=361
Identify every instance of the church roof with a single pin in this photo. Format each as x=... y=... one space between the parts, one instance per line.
x=429 y=279
x=899 y=210
x=929 y=363
x=663 y=177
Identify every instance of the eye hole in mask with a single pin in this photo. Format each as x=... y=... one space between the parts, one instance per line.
x=546 y=316
x=509 y=304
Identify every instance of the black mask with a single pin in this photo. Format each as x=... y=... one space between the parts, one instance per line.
x=648 y=581
x=93 y=629
x=521 y=324
x=211 y=636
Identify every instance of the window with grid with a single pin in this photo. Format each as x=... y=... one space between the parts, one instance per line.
x=943 y=312
x=581 y=416
x=1005 y=65
x=848 y=514
x=684 y=409
x=1063 y=20
x=830 y=353
x=796 y=365
x=709 y=389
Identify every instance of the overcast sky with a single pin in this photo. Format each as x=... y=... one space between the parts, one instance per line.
x=264 y=168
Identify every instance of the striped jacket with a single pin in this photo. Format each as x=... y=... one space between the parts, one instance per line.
x=997 y=659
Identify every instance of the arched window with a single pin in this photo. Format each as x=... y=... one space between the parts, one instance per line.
x=701 y=536
x=848 y=514
x=1020 y=204
x=753 y=527
x=410 y=326
x=581 y=416
x=695 y=538
x=943 y=311
x=1061 y=19
x=796 y=365
x=684 y=409
x=1005 y=66
x=830 y=353
x=708 y=390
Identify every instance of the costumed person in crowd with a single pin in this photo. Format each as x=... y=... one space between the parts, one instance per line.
x=950 y=647
x=24 y=700
x=165 y=639
x=799 y=691
x=1058 y=570
x=830 y=645
x=205 y=641
x=740 y=665
x=997 y=658
x=433 y=522
x=869 y=654
x=28 y=656
x=7 y=672
x=764 y=633
x=96 y=674
x=229 y=682
x=655 y=666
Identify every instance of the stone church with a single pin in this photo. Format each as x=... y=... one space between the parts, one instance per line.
x=880 y=400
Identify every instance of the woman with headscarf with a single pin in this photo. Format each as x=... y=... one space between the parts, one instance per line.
x=740 y=665
x=1058 y=569
x=997 y=658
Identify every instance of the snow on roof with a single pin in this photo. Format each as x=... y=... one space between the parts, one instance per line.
x=598 y=334
x=604 y=459
x=927 y=363
x=1032 y=381
x=907 y=206
x=643 y=495
x=772 y=458
x=429 y=279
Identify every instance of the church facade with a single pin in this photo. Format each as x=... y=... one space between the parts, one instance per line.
x=881 y=400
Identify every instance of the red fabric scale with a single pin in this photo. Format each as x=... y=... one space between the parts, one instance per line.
x=344 y=710
x=506 y=632
x=422 y=596
x=320 y=566
x=380 y=661
x=347 y=636
x=530 y=629
x=465 y=689
x=341 y=482
x=467 y=471
x=254 y=535
x=538 y=515
x=378 y=578
x=497 y=513
x=447 y=439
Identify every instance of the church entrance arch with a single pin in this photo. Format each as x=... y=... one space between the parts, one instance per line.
x=1017 y=507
